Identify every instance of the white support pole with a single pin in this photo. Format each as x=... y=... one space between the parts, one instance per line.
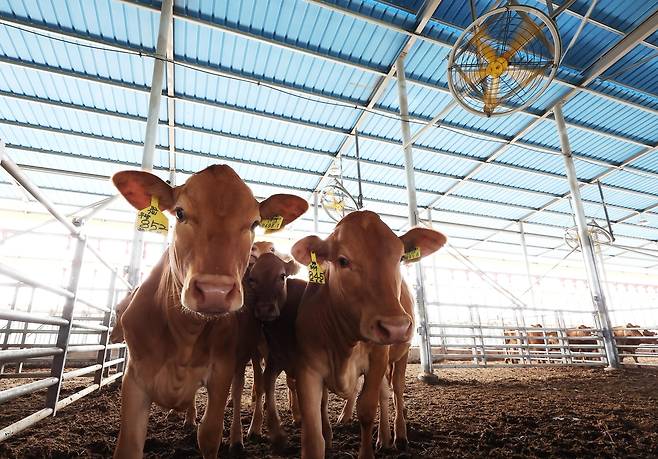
x=152 y=120
x=587 y=247
x=315 y=212
x=527 y=265
x=427 y=375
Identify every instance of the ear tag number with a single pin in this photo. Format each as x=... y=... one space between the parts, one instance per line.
x=272 y=224
x=411 y=255
x=315 y=273
x=152 y=219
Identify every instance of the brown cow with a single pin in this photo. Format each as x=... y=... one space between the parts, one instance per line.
x=629 y=337
x=178 y=332
x=577 y=337
x=534 y=338
x=345 y=325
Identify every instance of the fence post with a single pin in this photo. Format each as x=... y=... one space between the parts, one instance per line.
x=105 y=335
x=5 y=346
x=59 y=361
x=26 y=326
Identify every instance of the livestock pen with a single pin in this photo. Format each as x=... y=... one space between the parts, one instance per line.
x=536 y=330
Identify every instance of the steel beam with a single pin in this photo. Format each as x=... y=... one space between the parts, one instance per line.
x=587 y=247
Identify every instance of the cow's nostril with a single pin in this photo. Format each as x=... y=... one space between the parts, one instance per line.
x=382 y=330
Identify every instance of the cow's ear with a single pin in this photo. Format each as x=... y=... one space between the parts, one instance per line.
x=291 y=268
x=139 y=186
x=302 y=249
x=426 y=240
x=287 y=206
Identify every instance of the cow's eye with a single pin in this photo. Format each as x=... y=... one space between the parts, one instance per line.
x=254 y=225
x=272 y=249
x=180 y=215
x=343 y=262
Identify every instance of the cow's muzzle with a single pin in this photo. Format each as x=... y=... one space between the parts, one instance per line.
x=266 y=312
x=212 y=294
x=390 y=329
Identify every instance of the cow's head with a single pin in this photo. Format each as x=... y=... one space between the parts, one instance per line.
x=216 y=217
x=650 y=337
x=266 y=285
x=361 y=260
x=258 y=248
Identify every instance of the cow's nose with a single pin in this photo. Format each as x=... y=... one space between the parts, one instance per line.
x=211 y=293
x=392 y=330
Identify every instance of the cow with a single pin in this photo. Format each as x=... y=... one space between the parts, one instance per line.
x=535 y=337
x=345 y=325
x=274 y=300
x=177 y=327
x=629 y=337
x=580 y=336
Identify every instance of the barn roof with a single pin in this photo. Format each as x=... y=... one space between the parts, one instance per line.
x=276 y=88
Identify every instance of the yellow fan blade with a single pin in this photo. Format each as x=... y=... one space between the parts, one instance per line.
x=475 y=76
x=523 y=78
x=482 y=45
x=520 y=39
x=491 y=96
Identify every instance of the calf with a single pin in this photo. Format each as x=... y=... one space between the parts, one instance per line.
x=577 y=337
x=274 y=300
x=346 y=324
x=629 y=337
x=176 y=325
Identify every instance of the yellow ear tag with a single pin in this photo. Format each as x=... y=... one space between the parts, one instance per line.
x=411 y=255
x=315 y=273
x=152 y=219
x=272 y=224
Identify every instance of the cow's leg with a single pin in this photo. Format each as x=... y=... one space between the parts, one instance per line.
x=348 y=409
x=366 y=407
x=384 y=433
x=309 y=390
x=209 y=434
x=275 y=432
x=399 y=370
x=135 y=405
x=327 y=434
x=190 y=414
x=293 y=401
x=258 y=389
x=237 y=386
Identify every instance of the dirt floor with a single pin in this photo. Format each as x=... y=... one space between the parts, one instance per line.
x=515 y=412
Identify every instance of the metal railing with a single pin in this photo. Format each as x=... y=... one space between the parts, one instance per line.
x=107 y=360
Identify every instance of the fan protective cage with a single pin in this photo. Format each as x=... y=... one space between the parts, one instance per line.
x=504 y=60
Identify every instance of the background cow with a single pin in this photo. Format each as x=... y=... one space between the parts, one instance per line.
x=629 y=337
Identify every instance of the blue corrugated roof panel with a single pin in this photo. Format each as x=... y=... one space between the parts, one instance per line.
x=424 y=102
x=243 y=94
x=553 y=219
x=517 y=155
x=272 y=130
x=592 y=210
x=642 y=232
x=428 y=62
x=447 y=139
x=298 y=23
x=379 y=10
x=642 y=76
x=606 y=115
x=457 y=204
x=553 y=93
x=493 y=173
x=505 y=126
x=385 y=126
x=502 y=195
x=617 y=197
x=623 y=92
x=623 y=16
x=221 y=148
x=270 y=63
x=582 y=142
x=633 y=181
x=648 y=162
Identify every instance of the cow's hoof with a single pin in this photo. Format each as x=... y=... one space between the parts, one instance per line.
x=401 y=444
x=237 y=450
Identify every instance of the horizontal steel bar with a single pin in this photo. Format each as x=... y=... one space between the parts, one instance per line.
x=20 y=354
x=592 y=363
x=510 y=307
x=116 y=346
x=25 y=375
x=86 y=326
x=110 y=363
x=92 y=305
x=86 y=348
x=80 y=372
x=20 y=331
x=25 y=389
x=114 y=377
x=77 y=396
x=7 y=271
x=32 y=318
x=24 y=423
x=511 y=327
